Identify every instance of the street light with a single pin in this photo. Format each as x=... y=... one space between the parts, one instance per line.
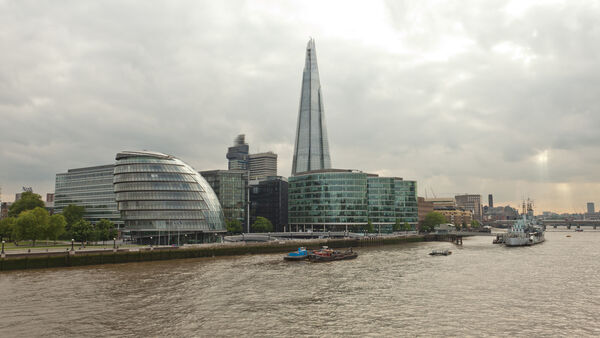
x=72 y=242
x=3 y=247
x=150 y=241
x=114 y=242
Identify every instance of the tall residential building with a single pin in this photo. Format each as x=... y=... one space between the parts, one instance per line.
x=590 y=208
x=90 y=187
x=230 y=188
x=311 y=149
x=269 y=199
x=238 y=154
x=490 y=201
x=470 y=202
x=262 y=165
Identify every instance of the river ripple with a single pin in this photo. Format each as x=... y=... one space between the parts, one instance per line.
x=482 y=289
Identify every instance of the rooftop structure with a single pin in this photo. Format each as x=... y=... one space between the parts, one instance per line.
x=238 y=154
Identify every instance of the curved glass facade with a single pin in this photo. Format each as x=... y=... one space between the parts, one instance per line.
x=159 y=193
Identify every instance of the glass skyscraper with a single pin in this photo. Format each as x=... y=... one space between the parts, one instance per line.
x=311 y=150
x=163 y=199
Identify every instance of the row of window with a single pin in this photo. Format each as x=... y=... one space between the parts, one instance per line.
x=162 y=177
x=137 y=186
x=152 y=168
x=158 y=195
x=165 y=215
x=162 y=205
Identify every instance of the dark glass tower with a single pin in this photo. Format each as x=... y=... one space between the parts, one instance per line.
x=311 y=150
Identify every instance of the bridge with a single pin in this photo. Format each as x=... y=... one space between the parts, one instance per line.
x=572 y=223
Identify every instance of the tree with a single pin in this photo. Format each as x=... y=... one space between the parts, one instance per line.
x=56 y=227
x=369 y=227
x=28 y=225
x=105 y=230
x=82 y=230
x=234 y=226
x=475 y=223
x=431 y=220
x=28 y=201
x=7 y=226
x=262 y=225
x=407 y=227
x=42 y=218
x=73 y=214
x=397 y=225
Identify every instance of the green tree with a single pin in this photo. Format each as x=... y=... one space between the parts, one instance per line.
x=31 y=224
x=234 y=226
x=82 y=230
x=475 y=224
x=397 y=225
x=262 y=225
x=431 y=220
x=369 y=228
x=73 y=214
x=406 y=227
x=105 y=230
x=56 y=227
x=28 y=201
x=7 y=226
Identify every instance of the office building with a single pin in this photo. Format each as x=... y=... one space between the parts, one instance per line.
x=238 y=154
x=269 y=199
x=490 y=201
x=470 y=202
x=590 y=208
x=262 y=165
x=311 y=148
x=340 y=199
x=424 y=207
x=442 y=202
x=230 y=188
x=91 y=188
x=457 y=217
x=163 y=200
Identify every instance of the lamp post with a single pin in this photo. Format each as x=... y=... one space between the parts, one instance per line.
x=3 y=247
x=114 y=242
x=72 y=243
x=150 y=241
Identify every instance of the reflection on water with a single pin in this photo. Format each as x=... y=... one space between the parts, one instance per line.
x=481 y=289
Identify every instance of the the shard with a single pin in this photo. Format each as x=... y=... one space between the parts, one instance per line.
x=311 y=150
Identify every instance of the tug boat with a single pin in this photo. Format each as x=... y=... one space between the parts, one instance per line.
x=299 y=255
x=328 y=255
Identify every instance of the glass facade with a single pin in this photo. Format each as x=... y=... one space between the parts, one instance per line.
x=91 y=188
x=334 y=199
x=230 y=188
x=311 y=149
x=328 y=198
x=269 y=199
x=159 y=193
x=406 y=201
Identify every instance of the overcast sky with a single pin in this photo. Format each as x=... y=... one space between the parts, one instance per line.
x=463 y=96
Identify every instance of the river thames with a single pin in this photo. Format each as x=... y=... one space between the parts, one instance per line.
x=551 y=289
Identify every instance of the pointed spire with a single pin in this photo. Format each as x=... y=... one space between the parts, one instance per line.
x=311 y=150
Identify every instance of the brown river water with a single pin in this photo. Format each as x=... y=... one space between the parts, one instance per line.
x=551 y=289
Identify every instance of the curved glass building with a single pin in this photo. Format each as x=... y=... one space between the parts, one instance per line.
x=162 y=200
